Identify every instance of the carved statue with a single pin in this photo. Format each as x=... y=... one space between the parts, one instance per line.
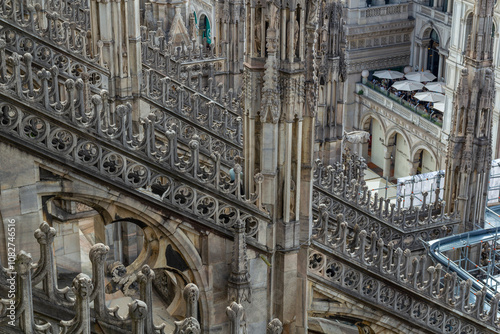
x=461 y=123
x=312 y=17
x=193 y=29
x=295 y=36
x=482 y=124
x=274 y=17
x=149 y=18
x=258 y=30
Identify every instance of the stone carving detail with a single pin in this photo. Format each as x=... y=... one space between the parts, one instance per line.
x=80 y=324
x=114 y=126
x=189 y=325
x=236 y=314
x=271 y=103
x=191 y=295
x=64 y=24
x=85 y=291
x=138 y=311
x=430 y=315
x=178 y=34
x=44 y=272
x=239 y=288
x=385 y=263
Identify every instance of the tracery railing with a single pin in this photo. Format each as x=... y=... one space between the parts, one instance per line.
x=199 y=110
x=341 y=189
x=74 y=11
x=175 y=61
x=98 y=137
x=45 y=56
x=26 y=311
x=61 y=24
x=363 y=265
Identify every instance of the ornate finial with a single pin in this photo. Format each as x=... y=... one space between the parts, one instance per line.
x=137 y=310
x=235 y=313
x=191 y=294
x=45 y=234
x=23 y=263
x=82 y=285
x=98 y=253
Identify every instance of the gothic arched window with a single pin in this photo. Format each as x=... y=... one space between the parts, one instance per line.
x=204 y=27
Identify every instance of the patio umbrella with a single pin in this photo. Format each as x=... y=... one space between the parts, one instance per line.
x=420 y=76
x=430 y=97
x=439 y=106
x=407 y=85
x=437 y=87
x=388 y=74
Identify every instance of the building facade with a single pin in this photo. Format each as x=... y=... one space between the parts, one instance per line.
x=181 y=167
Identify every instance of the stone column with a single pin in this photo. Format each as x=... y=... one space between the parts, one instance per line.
x=421 y=57
x=426 y=58
x=441 y=64
x=450 y=7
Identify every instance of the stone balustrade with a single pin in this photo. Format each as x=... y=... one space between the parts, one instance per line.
x=399 y=109
x=64 y=25
x=59 y=123
x=192 y=65
x=375 y=14
x=341 y=189
x=361 y=264
x=199 y=110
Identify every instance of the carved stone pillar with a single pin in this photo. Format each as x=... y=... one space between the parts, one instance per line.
x=421 y=57
x=239 y=288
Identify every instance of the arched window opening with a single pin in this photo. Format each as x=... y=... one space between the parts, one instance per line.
x=131 y=244
x=433 y=53
x=78 y=228
x=424 y=162
x=204 y=30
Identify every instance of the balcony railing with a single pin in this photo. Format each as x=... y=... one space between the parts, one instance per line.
x=407 y=105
